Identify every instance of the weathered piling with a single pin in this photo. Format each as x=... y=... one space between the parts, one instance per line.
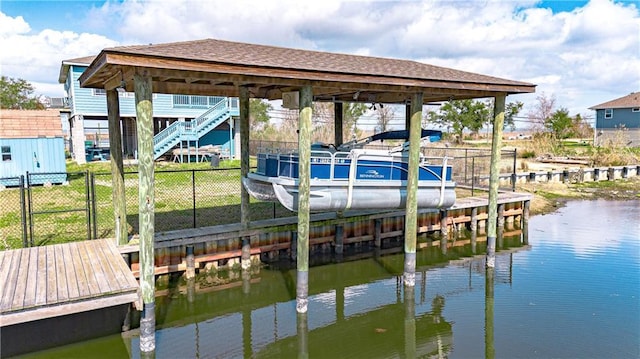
x=191 y=263
x=117 y=168
x=494 y=172
x=302 y=331
x=304 y=170
x=409 y=322
x=411 y=212
x=146 y=203
x=489 y=349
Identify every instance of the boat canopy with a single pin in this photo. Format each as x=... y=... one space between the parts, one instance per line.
x=433 y=135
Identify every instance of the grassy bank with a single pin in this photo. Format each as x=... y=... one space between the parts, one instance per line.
x=550 y=196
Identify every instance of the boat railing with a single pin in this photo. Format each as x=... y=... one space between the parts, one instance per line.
x=331 y=165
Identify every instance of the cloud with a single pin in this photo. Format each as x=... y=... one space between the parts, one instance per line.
x=37 y=57
x=583 y=57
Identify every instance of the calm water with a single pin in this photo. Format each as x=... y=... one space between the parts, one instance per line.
x=573 y=292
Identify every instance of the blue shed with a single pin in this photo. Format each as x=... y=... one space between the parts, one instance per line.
x=31 y=142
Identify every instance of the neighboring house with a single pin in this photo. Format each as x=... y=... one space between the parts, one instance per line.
x=176 y=115
x=618 y=120
x=31 y=141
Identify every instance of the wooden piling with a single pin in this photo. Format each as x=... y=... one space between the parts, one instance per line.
x=377 y=236
x=339 y=240
x=337 y=123
x=304 y=175
x=244 y=152
x=117 y=168
x=496 y=145
x=525 y=221
x=411 y=212
x=489 y=349
x=146 y=203
x=191 y=262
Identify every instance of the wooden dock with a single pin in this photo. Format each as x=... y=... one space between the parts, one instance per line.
x=56 y=280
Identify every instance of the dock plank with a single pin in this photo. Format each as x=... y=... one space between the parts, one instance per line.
x=12 y=280
x=41 y=277
x=61 y=276
x=70 y=272
x=52 y=281
x=32 y=278
x=82 y=282
x=21 y=284
x=94 y=278
x=7 y=282
x=120 y=268
x=104 y=263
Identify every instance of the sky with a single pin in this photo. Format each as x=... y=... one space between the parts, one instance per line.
x=582 y=53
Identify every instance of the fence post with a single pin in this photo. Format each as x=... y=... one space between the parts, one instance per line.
x=513 y=175
x=193 y=195
x=92 y=185
x=87 y=206
x=29 y=206
x=23 y=212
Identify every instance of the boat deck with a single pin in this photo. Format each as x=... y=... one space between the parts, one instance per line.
x=56 y=280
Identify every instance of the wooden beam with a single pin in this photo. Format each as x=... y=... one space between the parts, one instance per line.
x=244 y=153
x=304 y=178
x=337 y=123
x=411 y=219
x=146 y=203
x=494 y=181
x=117 y=168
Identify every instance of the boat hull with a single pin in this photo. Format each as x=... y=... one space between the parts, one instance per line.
x=326 y=196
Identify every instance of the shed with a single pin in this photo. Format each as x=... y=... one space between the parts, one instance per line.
x=31 y=142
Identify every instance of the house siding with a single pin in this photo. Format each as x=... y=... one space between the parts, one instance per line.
x=622 y=118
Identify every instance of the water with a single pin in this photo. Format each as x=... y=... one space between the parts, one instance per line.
x=573 y=292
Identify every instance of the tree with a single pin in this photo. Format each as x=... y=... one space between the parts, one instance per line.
x=384 y=117
x=258 y=114
x=559 y=123
x=511 y=111
x=542 y=111
x=461 y=115
x=18 y=95
x=351 y=112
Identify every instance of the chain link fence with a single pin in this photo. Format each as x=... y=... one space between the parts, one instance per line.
x=36 y=212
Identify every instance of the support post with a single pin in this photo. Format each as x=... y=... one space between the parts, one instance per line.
x=117 y=168
x=304 y=175
x=444 y=230
x=489 y=348
x=190 y=273
x=146 y=203
x=496 y=144
x=411 y=212
x=474 y=229
x=525 y=222
x=339 y=241
x=337 y=123
x=244 y=153
x=378 y=232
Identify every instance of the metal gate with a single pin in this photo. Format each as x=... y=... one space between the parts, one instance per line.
x=57 y=211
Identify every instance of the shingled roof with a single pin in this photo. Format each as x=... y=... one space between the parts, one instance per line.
x=216 y=67
x=632 y=100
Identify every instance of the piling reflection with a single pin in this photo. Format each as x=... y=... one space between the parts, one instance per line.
x=358 y=307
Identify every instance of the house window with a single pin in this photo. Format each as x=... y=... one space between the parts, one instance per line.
x=608 y=113
x=6 y=153
x=99 y=92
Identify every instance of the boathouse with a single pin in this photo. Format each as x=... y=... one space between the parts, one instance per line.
x=221 y=68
